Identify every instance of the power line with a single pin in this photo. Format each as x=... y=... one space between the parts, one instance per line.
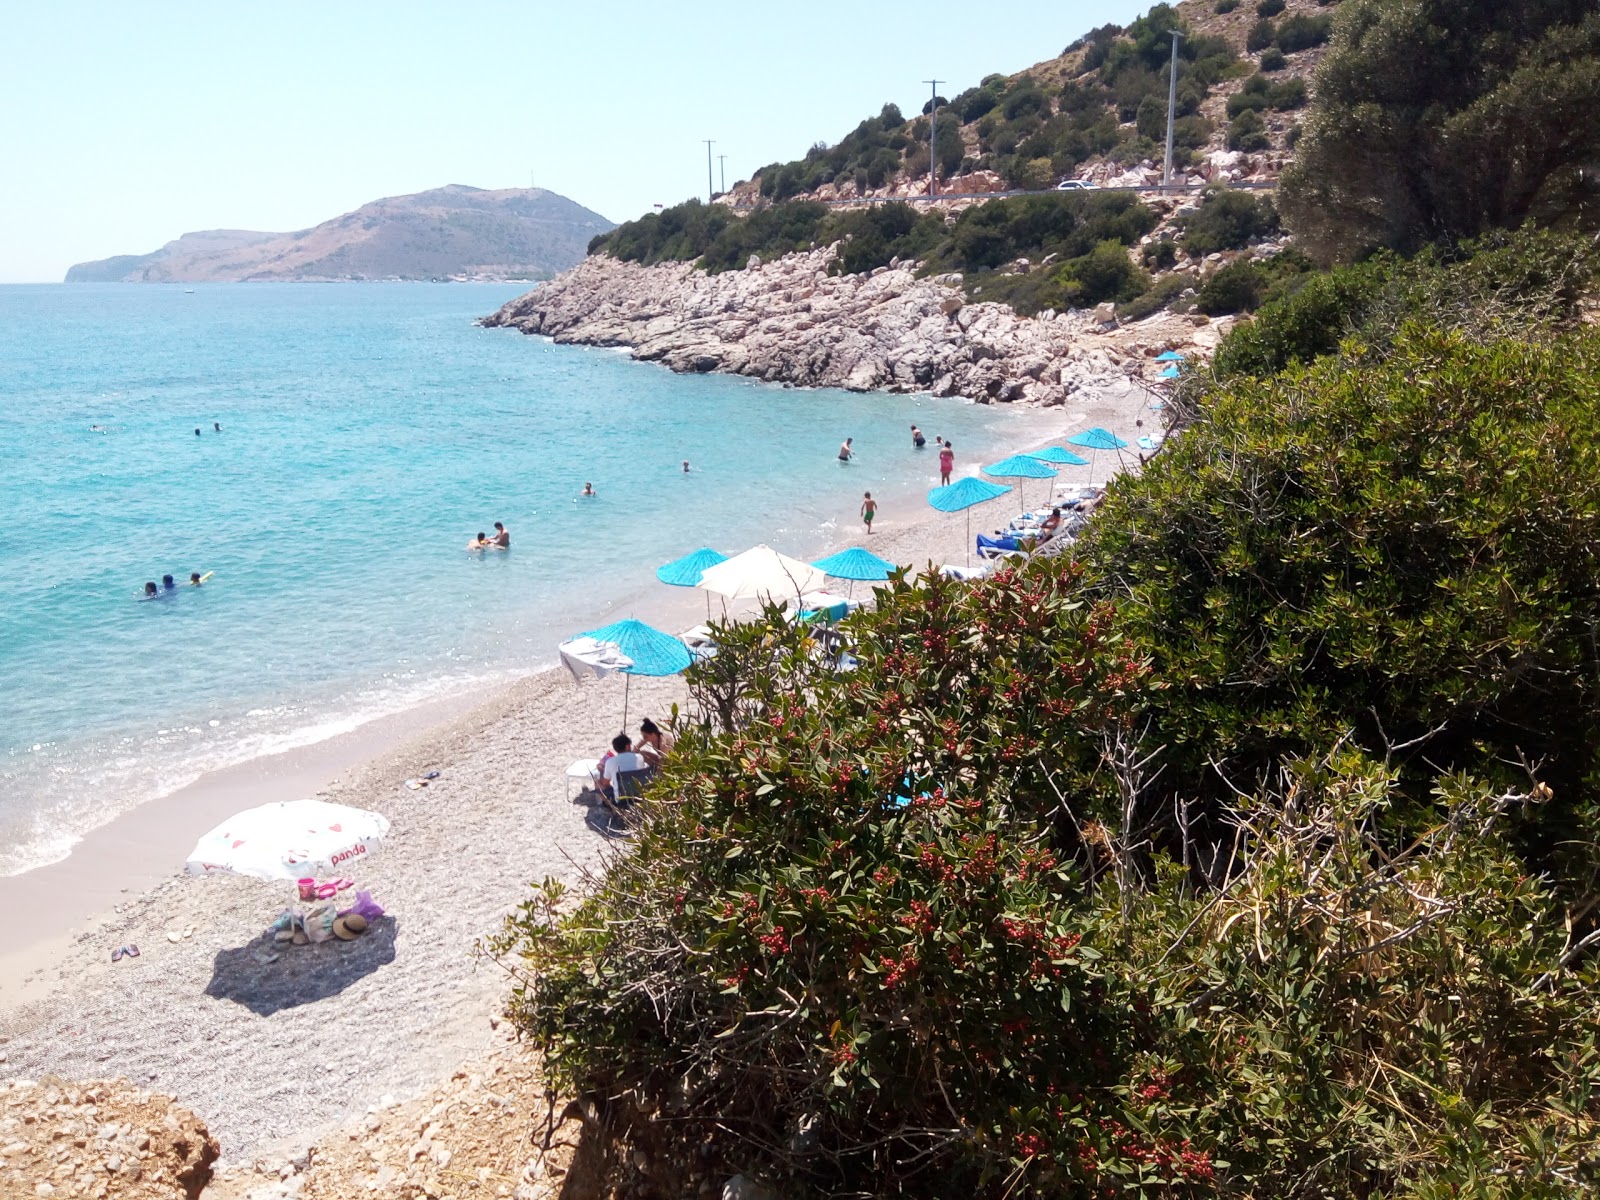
x=1172 y=106
x=711 y=192
x=722 y=167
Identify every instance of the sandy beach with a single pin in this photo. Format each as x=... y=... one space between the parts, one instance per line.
x=271 y=1054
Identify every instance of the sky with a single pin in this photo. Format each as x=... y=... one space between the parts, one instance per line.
x=124 y=125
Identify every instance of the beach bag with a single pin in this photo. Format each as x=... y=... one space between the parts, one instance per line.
x=366 y=906
x=319 y=922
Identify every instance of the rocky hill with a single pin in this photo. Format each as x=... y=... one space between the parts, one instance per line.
x=449 y=232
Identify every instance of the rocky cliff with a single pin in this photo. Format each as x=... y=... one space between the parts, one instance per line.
x=455 y=231
x=789 y=321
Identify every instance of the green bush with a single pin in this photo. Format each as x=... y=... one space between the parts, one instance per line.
x=1162 y=255
x=1237 y=288
x=1269 y=8
x=1226 y=6
x=769 y=232
x=1213 y=860
x=1256 y=94
x=1301 y=32
x=1262 y=34
x=1227 y=220
x=1288 y=95
x=1272 y=59
x=1105 y=273
x=1248 y=132
x=1162 y=293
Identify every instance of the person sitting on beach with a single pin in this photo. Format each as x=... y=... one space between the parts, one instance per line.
x=1048 y=527
x=622 y=758
x=588 y=490
x=917 y=440
x=947 y=463
x=654 y=745
x=502 y=537
x=845 y=452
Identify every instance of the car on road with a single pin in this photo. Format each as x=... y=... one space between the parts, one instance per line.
x=1074 y=185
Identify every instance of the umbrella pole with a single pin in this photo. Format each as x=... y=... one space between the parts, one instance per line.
x=627 y=688
x=967 y=513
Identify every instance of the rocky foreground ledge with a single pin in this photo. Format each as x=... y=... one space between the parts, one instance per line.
x=789 y=321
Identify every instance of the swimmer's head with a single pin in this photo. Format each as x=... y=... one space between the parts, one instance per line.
x=194 y=576
x=167 y=581
x=150 y=589
x=481 y=537
x=497 y=525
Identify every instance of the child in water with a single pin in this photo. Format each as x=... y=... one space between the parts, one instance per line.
x=869 y=509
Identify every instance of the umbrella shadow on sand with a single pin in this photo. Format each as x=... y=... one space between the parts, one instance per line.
x=267 y=977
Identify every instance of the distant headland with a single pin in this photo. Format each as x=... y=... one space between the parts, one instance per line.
x=453 y=232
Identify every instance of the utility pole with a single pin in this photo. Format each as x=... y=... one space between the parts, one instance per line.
x=722 y=168
x=1172 y=109
x=933 y=137
x=710 y=191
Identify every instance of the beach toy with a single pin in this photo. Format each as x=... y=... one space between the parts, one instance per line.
x=327 y=891
x=308 y=889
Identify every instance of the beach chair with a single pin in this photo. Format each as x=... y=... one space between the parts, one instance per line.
x=631 y=784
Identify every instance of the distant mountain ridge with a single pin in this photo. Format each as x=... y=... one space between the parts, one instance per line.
x=448 y=232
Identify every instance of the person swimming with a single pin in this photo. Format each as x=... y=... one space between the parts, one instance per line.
x=151 y=591
x=845 y=450
x=502 y=537
x=686 y=466
x=168 y=582
x=480 y=542
x=217 y=426
x=917 y=439
x=588 y=490
x=196 y=579
x=197 y=431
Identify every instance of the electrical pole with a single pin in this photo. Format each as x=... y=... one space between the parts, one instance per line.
x=1172 y=109
x=722 y=167
x=710 y=191
x=933 y=138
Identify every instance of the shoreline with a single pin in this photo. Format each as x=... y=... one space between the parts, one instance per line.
x=460 y=857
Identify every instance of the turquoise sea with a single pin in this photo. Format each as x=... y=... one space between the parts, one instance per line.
x=367 y=431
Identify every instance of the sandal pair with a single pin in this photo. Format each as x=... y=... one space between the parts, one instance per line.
x=121 y=952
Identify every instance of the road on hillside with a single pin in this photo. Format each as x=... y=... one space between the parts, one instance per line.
x=1159 y=189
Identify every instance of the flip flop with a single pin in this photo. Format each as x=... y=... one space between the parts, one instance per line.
x=326 y=891
x=341 y=884
x=130 y=950
x=116 y=955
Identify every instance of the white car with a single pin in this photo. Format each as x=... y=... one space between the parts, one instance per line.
x=1074 y=185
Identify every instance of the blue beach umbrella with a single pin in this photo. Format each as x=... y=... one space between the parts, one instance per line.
x=1171 y=356
x=1059 y=455
x=649 y=651
x=961 y=495
x=686 y=571
x=855 y=563
x=1021 y=466
x=1098 y=439
x=1170 y=373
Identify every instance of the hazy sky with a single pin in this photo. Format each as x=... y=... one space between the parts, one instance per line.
x=127 y=124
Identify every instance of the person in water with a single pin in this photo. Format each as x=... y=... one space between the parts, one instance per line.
x=686 y=466
x=197 y=431
x=481 y=542
x=947 y=462
x=869 y=509
x=588 y=490
x=845 y=452
x=194 y=579
x=168 y=582
x=917 y=440
x=217 y=426
x=151 y=591
x=502 y=537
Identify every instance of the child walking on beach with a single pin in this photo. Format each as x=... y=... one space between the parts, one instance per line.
x=869 y=509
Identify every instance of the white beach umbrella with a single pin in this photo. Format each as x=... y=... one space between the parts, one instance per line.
x=292 y=839
x=762 y=574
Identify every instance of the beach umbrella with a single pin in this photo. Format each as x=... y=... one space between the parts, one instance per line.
x=686 y=571
x=631 y=647
x=1059 y=455
x=1097 y=439
x=961 y=496
x=1170 y=373
x=855 y=563
x=1171 y=356
x=761 y=573
x=291 y=839
x=1021 y=466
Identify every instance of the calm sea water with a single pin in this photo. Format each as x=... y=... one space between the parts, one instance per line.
x=367 y=432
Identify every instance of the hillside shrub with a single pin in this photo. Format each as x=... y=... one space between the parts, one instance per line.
x=1248 y=132
x=1162 y=255
x=1272 y=59
x=873 y=236
x=1238 y=287
x=1224 y=7
x=1157 y=297
x=1105 y=273
x=1227 y=220
x=1491 y=126
x=770 y=233
x=1249 y=852
x=1269 y=8
x=1303 y=31
x=1262 y=34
